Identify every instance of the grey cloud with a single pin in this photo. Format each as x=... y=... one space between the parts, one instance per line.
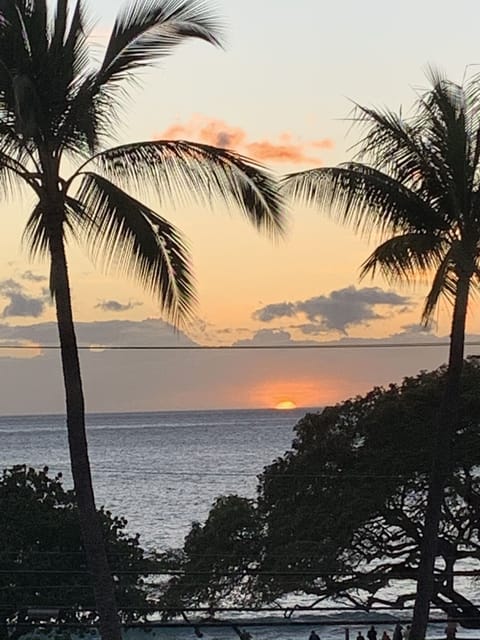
x=23 y=306
x=115 y=305
x=336 y=311
x=269 y=337
x=10 y=286
x=230 y=331
x=282 y=337
x=273 y=311
x=149 y=332
x=33 y=277
x=20 y=303
x=417 y=328
x=311 y=329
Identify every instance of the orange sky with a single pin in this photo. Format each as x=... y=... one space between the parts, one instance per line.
x=285 y=106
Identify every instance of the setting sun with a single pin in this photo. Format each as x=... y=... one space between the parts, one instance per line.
x=285 y=405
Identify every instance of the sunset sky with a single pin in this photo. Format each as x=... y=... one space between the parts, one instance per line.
x=281 y=92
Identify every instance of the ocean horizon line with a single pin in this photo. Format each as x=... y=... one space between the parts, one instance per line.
x=292 y=410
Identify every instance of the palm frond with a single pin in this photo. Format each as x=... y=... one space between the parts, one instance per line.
x=444 y=283
x=14 y=176
x=145 y=32
x=15 y=55
x=396 y=146
x=68 y=53
x=403 y=258
x=149 y=29
x=83 y=124
x=189 y=172
x=475 y=177
x=36 y=26
x=59 y=25
x=362 y=197
x=35 y=238
x=442 y=116
x=124 y=234
x=43 y=63
x=69 y=61
x=12 y=145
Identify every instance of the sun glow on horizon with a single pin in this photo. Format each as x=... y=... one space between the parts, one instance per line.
x=285 y=405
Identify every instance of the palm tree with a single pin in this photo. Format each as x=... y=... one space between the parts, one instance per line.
x=416 y=181
x=57 y=105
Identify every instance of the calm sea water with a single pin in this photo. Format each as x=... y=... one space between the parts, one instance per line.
x=160 y=470
x=163 y=470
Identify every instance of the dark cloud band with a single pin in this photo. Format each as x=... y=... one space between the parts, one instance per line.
x=337 y=311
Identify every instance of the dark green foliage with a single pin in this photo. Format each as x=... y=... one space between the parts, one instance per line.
x=340 y=515
x=42 y=560
x=416 y=185
x=227 y=544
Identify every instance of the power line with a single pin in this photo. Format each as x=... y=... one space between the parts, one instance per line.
x=241 y=474
x=410 y=574
x=249 y=347
x=312 y=620
x=286 y=609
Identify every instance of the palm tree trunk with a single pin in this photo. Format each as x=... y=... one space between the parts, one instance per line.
x=442 y=461
x=89 y=521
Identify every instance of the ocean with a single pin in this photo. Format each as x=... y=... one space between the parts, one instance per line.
x=160 y=470
x=163 y=470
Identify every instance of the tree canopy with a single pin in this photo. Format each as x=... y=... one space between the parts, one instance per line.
x=415 y=182
x=42 y=557
x=340 y=515
x=59 y=111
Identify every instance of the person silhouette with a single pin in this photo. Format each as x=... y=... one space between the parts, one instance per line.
x=397 y=632
x=313 y=636
x=372 y=633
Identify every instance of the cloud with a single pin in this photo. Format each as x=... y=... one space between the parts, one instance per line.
x=32 y=277
x=311 y=329
x=10 y=285
x=215 y=132
x=115 y=305
x=285 y=149
x=417 y=329
x=149 y=332
x=143 y=380
x=20 y=303
x=291 y=153
x=337 y=311
x=274 y=311
x=325 y=143
x=266 y=338
x=24 y=306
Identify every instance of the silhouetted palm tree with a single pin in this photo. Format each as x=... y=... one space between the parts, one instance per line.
x=416 y=181
x=56 y=104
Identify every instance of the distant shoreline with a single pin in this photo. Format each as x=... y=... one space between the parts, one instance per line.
x=294 y=411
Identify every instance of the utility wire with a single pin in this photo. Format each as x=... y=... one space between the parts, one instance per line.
x=249 y=347
x=241 y=474
x=233 y=609
x=312 y=620
x=251 y=572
